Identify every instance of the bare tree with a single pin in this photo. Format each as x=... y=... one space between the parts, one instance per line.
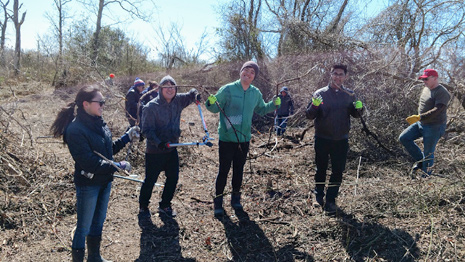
x=18 y=23
x=172 y=48
x=420 y=30
x=303 y=25
x=58 y=23
x=3 y=26
x=241 y=36
x=132 y=7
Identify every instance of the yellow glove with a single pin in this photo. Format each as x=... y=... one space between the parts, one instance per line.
x=316 y=101
x=277 y=101
x=358 y=105
x=211 y=99
x=412 y=119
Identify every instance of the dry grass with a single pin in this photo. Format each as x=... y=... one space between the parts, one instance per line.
x=388 y=214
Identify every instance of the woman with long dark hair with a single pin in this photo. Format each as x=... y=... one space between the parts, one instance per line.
x=85 y=133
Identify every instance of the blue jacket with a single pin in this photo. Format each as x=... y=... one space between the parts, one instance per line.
x=132 y=99
x=84 y=135
x=148 y=97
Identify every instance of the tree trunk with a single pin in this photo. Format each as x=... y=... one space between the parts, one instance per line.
x=18 y=24
x=95 y=44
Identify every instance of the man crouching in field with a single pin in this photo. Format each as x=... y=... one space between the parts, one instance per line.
x=430 y=123
x=332 y=125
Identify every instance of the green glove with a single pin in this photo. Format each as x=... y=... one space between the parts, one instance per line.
x=316 y=101
x=211 y=99
x=358 y=105
x=277 y=101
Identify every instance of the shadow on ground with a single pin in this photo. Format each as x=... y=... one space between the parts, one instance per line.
x=366 y=241
x=248 y=242
x=160 y=243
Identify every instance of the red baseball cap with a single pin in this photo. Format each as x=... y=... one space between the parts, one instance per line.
x=428 y=72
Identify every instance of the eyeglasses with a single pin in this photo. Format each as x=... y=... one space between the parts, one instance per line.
x=425 y=79
x=101 y=102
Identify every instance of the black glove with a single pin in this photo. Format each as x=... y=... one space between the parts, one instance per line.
x=163 y=146
x=197 y=97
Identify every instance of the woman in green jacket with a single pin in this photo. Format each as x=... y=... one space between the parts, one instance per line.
x=238 y=101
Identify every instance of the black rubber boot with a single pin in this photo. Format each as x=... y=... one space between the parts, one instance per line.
x=236 y=201
x=78 y=254
x=218 y=206
x=93 y=249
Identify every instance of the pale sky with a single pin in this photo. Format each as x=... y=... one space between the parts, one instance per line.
x=191 y=16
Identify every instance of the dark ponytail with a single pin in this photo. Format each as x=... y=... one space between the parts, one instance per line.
x=66 y=114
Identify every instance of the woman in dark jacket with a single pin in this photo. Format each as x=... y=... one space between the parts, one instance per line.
x=85 y=133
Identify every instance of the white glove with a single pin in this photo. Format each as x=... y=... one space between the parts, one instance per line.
x=125 y=165
x=133 y=132
x=87 y=174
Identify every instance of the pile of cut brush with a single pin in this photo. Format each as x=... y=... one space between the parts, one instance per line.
x=387 y=212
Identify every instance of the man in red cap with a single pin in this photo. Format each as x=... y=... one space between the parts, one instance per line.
x=429 y=123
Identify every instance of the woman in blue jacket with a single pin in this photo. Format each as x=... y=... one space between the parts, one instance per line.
x=85 y=133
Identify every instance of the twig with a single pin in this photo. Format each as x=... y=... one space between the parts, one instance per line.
x=358 y=173
x=25 y=129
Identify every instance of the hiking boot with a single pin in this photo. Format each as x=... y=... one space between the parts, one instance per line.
x=93 y=249
x=320 y=200
x=331 y=208
x=218 y=206
x=319 y=197
x=78 y=254
x=167 y=211
x=417 y=165
x=144 y=212
x=236 y=201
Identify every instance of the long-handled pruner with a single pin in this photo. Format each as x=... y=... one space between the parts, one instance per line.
x=205 y=140
x=131 y=177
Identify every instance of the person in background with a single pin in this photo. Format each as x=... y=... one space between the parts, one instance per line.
x=238 y=101
x=150 y=92
x=430 y=123
x=85 y=133
x=132 y=100
x=331 y=108
x=161 y=126
x=283 y=112
x=109 y=79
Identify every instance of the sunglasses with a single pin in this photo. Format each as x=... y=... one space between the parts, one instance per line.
x=425 y=79
x=101 y=102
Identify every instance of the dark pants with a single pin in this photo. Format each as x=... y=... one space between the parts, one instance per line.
x=280 y=124
x=235 y=153
x=154 y=164
x=337 y=151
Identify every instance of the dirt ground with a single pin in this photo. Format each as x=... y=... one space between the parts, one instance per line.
x=387 y=213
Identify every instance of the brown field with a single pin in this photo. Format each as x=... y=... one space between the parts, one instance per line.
x=388 y=213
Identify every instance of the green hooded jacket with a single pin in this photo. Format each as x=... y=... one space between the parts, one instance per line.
x=239 y=106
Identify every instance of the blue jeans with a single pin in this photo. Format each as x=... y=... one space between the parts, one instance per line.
x=92 y=204
x=280 y=123
x=430 y=134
